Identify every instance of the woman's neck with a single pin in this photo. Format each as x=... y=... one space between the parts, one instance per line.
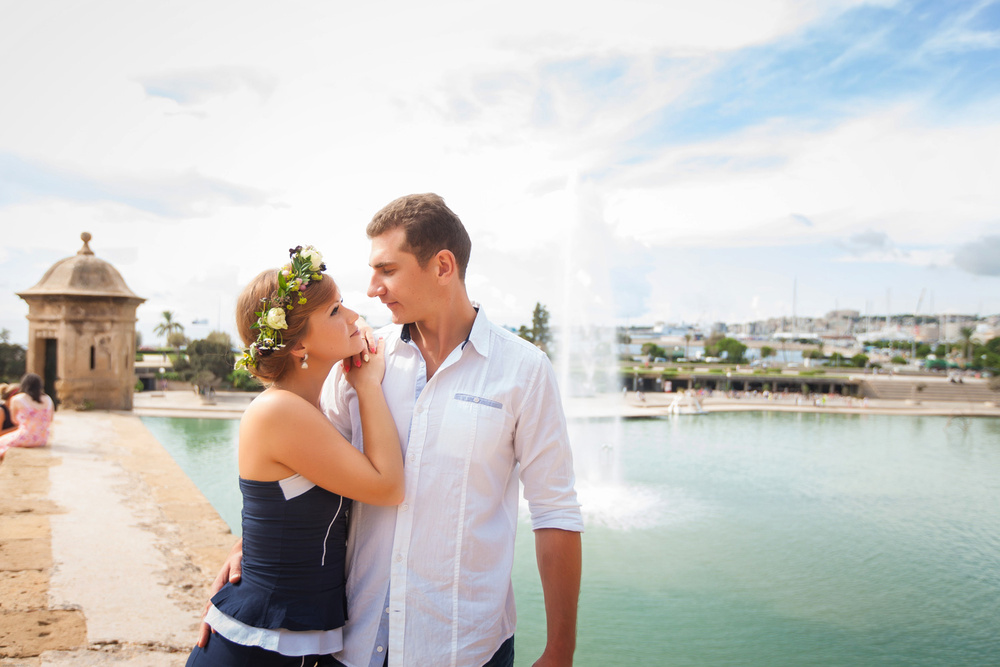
x=307 y=383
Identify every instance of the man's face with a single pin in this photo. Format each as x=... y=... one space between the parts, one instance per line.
x=397 y=279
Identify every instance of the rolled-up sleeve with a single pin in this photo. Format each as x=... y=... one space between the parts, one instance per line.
x=542 y=448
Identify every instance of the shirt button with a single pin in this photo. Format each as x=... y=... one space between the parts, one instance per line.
x=387 y=610
x=404 y=507
x=413 y=457
x=399 y=558
x=475 y=400
x=380 y=649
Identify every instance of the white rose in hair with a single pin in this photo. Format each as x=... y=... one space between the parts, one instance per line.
x=314 y=256
x=276 y=318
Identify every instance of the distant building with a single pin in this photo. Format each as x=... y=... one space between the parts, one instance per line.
x=81 y=332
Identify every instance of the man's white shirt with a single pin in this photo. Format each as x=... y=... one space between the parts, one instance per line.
x=490 y=415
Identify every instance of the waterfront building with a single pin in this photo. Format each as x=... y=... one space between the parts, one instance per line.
x=81 y=332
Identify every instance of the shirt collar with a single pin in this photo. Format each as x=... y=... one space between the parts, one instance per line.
x=479 y=336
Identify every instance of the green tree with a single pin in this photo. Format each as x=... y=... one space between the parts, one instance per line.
x=209 y=360
x=734 y=350
x=653 y=351
x=859 y=360
x=177 y=340
x=243 y=381
x=13 y=359
x=966 y=335
x=539 y=333
x=766 y=351
x=540 y=327
x=168 y=326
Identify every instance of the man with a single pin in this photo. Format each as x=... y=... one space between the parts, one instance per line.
x=476 y=407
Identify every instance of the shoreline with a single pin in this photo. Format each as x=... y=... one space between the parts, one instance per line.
x=230 y=405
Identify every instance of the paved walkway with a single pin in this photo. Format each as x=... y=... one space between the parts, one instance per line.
x=106 y=548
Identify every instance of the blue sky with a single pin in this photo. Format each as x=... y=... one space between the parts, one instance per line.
x=725 y=151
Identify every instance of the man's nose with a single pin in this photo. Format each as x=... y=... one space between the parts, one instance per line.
x=375 y=288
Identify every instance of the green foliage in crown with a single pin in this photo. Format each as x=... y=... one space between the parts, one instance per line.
x=293 y=279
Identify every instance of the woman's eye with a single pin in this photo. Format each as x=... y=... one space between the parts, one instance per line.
x=335 y=311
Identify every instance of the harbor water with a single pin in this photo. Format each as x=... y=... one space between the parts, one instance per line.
x=755 y=538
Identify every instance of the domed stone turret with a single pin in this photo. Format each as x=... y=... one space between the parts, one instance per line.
x=81 y=332
x=83 y=274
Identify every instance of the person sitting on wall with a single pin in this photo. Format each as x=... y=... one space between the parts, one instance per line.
x=31 y=410
x=6 y=391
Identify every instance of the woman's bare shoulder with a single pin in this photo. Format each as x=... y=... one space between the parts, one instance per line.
x=275 y=404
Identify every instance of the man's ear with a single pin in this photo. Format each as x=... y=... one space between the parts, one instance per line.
x=446 y=266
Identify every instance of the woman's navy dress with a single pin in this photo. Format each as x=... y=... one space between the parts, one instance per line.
x=294 y=545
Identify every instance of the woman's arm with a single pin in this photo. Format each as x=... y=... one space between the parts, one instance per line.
x=15 y=409
x=290 y=431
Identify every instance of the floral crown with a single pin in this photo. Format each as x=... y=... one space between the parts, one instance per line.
x=293 y=278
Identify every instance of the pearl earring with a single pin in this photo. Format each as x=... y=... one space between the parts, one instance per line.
x=305 y=358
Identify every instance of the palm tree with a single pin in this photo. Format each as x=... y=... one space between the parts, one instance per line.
x=168 y=326
x=966 y=334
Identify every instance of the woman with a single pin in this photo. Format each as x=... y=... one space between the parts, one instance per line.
x=297 y=473
x=31 y=410
x=6 y=391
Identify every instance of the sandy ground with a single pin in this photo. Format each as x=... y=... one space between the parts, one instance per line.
x=107 y=548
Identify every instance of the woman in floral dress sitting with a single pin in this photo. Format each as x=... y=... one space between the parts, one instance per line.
x=31 y=410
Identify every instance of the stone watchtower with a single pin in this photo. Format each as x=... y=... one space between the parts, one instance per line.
x=81 y=332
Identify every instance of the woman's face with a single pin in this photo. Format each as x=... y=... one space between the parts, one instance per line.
x=333 y=333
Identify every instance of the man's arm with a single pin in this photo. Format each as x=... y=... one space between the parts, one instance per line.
x=231 y=571
x=560 y=561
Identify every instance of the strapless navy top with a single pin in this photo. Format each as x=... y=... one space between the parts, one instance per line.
x=294 y=546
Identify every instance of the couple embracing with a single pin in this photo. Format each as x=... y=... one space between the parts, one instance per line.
x=396 y=462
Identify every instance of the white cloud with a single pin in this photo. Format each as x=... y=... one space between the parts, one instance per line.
x=888 y=170
x=271 y=126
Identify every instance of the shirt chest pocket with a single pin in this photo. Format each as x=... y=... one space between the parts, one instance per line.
x=477 y=426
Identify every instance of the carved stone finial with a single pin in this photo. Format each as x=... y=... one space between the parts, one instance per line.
x=85 y=250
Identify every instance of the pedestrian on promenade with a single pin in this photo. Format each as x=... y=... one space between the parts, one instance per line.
x=31 y=410
x=6 y=391
x=477 y=408
x=298 y=474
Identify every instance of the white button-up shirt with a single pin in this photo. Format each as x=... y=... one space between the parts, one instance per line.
x=490 y=414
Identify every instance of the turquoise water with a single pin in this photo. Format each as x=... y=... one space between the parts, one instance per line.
x=756 y=538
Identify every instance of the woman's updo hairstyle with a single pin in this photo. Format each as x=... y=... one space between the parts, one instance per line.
x=318 y=295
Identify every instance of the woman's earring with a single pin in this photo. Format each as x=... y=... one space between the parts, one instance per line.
x=305 y=358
